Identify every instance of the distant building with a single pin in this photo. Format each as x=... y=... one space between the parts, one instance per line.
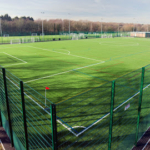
x=140 y=34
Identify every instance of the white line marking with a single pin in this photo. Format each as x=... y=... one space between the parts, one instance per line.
x=64 y=72
x=15 y=57
x=43 y=108
x=64 y=53
x=14 y=64
x=78 y=127
x=109 y=113
x=145 y=145
x=64 y=50
x=2 y=145
x=141 y=137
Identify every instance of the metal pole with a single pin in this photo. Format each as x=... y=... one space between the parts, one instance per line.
x=69 y=24
x=140 y=104
x=42 y=26
x=118 y=29
x=111 y=114
x=54 y=126
x=24 y=114
x=101 y=26
x=8 y=108
x=1 y=27
x=133 y=25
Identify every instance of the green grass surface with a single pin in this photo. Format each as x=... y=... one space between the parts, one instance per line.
x=78 y=74
x=72 y=67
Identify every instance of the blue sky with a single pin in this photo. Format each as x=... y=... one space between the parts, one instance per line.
x=134 y=11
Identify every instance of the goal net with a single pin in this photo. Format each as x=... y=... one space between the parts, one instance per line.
x=41 y=34
x=6 y=35
x=34 y=34
x=81 y=36
x=15 y=41
x=28 y=40
x=75 y=37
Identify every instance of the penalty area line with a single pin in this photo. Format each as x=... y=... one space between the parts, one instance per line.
x=64 y=53
x=65 y=72
x=15 y=58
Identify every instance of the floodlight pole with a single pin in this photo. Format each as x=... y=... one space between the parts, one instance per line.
x=69 y=24
x=118 y=29
x=133 y=25
x=0 y=27
x=42 y=25
x=101 y=26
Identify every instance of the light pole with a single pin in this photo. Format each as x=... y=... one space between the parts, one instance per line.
x=133 y=25
x=42 y=25
x=101 y=26
x=69 y=24
x=118 y=29
x=0 y=27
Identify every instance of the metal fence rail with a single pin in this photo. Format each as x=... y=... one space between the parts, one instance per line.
x=112 y=116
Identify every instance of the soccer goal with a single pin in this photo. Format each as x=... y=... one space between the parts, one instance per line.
x=28 y=40
x=41 y=34
x=15 y=41
x=34 y=34
x=75 y=37
x=6 y=35
x=81 y=36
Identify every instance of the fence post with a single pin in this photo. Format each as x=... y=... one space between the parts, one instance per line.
x=24 y=115
x=140 y=104
x=54 y=126
x=8 y=109
x=111 y=114
x=0 y=108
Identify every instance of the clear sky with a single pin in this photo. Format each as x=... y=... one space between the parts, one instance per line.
x=131 y=11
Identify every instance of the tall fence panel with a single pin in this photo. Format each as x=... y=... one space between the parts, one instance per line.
x=126 y=110
x=83 y=121
x=145 y=107
x=38 y=120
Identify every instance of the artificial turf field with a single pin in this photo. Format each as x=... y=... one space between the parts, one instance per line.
x=70 y=68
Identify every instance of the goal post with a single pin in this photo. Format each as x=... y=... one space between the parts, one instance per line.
x=15 y=41
x=28 y=40
x=6 y=35
x=75 y=37
x=81 y=36
x=34 y=34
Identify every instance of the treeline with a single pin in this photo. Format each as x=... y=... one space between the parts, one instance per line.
x=27 y=25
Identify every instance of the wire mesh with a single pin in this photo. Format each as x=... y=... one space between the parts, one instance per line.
x=145 y=108
x=2 y=96
x=81 y=119
x=126 y=110
x=38 y=120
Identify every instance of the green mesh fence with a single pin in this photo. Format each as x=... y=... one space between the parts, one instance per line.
x=82 y=122
x=15 y=106
x=126 y=110
x=38 y=118
x=2 y=96
x=145 y=108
